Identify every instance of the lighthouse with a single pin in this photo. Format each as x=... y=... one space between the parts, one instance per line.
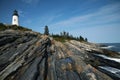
x=15 y=18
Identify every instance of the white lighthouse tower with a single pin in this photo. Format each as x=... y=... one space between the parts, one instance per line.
x=15 y=17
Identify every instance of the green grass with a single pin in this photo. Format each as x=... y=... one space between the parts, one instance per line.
x=14 y=27
x=62 y=38
x=59 y=39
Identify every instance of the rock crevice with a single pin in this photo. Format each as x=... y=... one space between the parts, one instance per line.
x=27 y=55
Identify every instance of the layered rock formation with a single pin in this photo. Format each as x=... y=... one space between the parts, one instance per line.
x=28 y=55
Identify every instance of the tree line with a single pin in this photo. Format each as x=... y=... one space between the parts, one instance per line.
x=64 y=36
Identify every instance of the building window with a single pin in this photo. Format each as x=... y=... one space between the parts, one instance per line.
x=14 y=19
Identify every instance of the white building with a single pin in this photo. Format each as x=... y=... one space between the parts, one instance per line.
x=15 y=18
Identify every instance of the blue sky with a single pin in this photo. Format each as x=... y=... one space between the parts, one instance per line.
x=98 y=20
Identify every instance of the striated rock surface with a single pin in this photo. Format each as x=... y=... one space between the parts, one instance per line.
x=28 y=55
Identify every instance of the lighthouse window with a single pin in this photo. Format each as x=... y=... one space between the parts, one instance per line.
x=14 y=19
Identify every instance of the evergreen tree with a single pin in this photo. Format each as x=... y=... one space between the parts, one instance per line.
x=46 y=32
x=81 y=38
x=64 y=33
x=71 y=36
x=52 y=34
x=86 y=39
x=67 y=34
x=61 y=34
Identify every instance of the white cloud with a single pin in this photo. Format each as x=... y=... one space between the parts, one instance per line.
x=106 y=14
x=71 y=21
x=104 y=33
x=47 y=19
x=100 y=26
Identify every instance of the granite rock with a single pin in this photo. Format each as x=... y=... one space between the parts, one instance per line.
x=28 y=55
